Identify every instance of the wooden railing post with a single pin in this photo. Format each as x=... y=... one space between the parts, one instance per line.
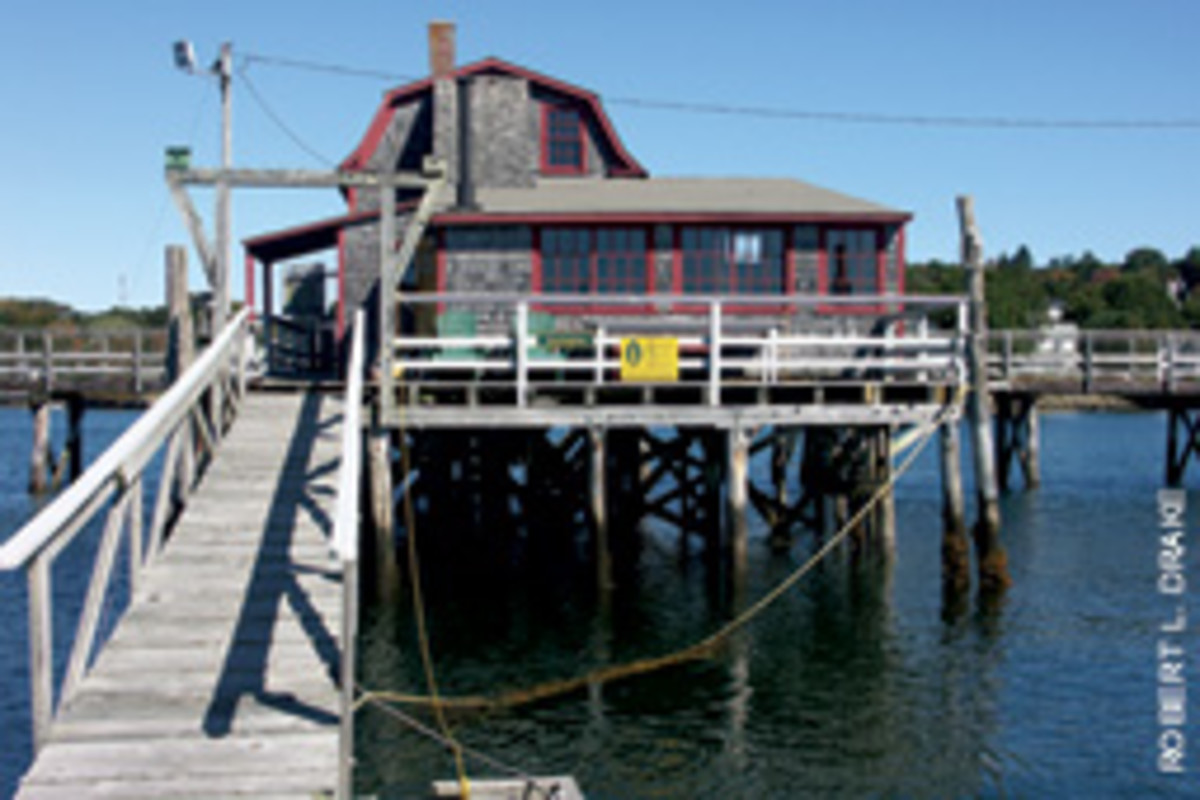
x=1088 y=362
x=521 y=352
x=714 y=353
x=137 y=361
x=1008 y=355
x=41 y=648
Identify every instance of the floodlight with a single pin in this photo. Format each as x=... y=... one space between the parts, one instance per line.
x=185 y=56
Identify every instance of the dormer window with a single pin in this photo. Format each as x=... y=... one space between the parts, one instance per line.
x=563 y=150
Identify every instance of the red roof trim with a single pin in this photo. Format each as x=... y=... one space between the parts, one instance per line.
x=670 y=217
x=627 y=166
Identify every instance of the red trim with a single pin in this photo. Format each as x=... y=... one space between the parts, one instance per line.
x=823 y=272
x=669 y=217
x=441 y=266
x=341 y=282
x=901 y=258
x=248 y=277
x=626 y=165
x=538 y=277
x=549 y=168
x=676 y=260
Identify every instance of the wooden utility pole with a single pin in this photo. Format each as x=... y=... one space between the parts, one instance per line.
x=991 y=558
x=181 y=346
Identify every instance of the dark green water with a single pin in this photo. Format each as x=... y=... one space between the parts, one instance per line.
x=858 y=684
x=855 y=685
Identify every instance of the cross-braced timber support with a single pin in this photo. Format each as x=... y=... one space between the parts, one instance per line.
x=1183 y=441
x=1017 y=438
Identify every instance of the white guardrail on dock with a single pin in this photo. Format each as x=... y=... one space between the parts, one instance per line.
x=720 y=340
x=189 y=419
x=1162 y=360
x=345 y=540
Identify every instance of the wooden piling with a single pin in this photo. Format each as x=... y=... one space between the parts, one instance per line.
x=74 y=446
x=991 y=559
x=886 y=510
x=597 y=485
x=956 y=561
x=737 y=492
x=1030 y=455
x=383 y=519
x=39 y=456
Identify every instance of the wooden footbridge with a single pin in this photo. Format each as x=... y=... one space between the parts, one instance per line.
x=224 y=677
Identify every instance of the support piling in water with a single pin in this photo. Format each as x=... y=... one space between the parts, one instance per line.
x=383 y=520
x=992 y=563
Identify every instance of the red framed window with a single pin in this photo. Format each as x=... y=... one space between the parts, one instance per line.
x=748 y=261
x=594 y=261
x=563 y=150
x=853 y=262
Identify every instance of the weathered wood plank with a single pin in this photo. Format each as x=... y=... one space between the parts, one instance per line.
x=219 y=681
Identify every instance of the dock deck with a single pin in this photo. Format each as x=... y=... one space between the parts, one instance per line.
x=221 y=679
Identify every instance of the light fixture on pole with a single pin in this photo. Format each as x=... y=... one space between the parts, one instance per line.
x=222 y=68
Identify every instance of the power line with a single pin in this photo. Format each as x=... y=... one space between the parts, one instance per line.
x=260 y=101
x=961 y=121
x=937 y=121
x=316 y=66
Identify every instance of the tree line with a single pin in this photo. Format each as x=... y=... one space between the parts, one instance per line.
x=1145 y=290
x=40 y=313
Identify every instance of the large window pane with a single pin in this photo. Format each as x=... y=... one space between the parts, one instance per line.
x=853 y=262
x=733 y=261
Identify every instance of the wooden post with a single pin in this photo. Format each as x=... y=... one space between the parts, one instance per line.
x=137 y=362
x=599 y=512
x=74 y=448
x=991 y=558
x=737 y=492
x=886 y=514
x=180 y=338
x=39 y=458
x=956 y=561
x=41 y=648
x=1030 y=455
x=181 y=348
x=383 y=520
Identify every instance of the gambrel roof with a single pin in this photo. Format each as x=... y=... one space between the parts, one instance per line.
x=624 y=164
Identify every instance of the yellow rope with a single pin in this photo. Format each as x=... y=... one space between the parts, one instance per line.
x=418 y=601
x=694 y=652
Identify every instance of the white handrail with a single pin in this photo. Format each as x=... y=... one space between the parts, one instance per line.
x=345 y=536
x=345 y=542
x=126 y=456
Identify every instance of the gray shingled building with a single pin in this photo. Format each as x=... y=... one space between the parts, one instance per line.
x=550 y=201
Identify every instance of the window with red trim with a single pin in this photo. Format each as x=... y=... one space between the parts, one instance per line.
x=853 y=259
x=733 y=261
x=563 y=149
x=600 y=261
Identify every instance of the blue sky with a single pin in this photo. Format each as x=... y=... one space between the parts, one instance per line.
x=92 y=100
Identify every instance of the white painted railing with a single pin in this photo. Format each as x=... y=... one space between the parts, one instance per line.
x=720 y=340
x=1162 y=360
x=190 y=420
x=345 y=541
x=45 y=358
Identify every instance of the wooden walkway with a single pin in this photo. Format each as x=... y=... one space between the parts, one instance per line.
x=221 y=680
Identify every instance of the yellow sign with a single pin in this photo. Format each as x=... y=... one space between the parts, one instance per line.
x=650 y=359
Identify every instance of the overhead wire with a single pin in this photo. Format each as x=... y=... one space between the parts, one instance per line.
x=265 y=107
x=961 y=121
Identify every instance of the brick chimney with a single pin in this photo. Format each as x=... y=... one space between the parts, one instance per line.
x=445 y=96
x=441 y=48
